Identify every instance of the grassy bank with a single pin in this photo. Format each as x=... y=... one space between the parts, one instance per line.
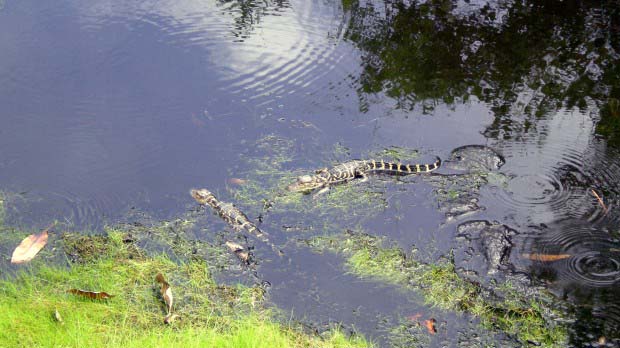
x=210 y=314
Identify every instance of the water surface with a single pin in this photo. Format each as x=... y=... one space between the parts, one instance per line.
x=111 y=106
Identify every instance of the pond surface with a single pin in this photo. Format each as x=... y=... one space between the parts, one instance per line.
x=111 y=106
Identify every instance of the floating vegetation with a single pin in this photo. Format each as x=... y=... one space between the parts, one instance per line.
x=528 y=319
x=609 y=125
x=476 y=166
x=1 y=208
x=267 y=172
x=396 y=154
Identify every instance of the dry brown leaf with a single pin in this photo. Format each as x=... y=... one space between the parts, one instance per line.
x=238 y=250
x=93 y=295
x=600 y=200
x=166 y=293
x=30 y=246
x=237 y=181
x=168 y=319
x=545 y=257
x=415 y=317
x=430 y=326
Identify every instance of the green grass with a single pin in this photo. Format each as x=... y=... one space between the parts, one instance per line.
x=211 y=315
x=525 y=318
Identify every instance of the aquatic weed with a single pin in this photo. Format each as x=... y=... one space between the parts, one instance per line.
x=524 y=317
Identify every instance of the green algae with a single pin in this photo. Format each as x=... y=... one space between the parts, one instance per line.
x=504 y=308
x=1 y=208
x=271 y=166
x=269 y=170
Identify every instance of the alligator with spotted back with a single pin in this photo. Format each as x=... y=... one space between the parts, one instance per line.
x=232 y=215
x=356 y=169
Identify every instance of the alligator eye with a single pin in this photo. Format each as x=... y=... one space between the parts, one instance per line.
x=305 y=179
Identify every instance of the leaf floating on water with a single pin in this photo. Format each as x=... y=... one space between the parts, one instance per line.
x=237 y=181
x=238 y=250
x=430 y=326
x=30 y=247
x=600 y=201
x=415 y=317
x=197 y=121
x=93 y=295
x=166 y=293
x=545 y=257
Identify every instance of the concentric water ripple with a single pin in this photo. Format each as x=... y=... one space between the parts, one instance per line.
x=578 y=253
x=559 y=173
x=596 y=268
x=556 y=186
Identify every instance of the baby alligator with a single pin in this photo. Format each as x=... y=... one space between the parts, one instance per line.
x=324 y=178
x=229 y=213
x=232 y=215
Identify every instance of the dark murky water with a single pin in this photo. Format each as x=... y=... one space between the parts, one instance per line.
x=109 y=106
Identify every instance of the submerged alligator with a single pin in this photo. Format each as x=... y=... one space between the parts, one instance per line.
x=356 y=169
x=232 y=215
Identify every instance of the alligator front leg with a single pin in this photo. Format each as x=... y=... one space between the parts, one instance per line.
x=363 y=177
x=320 y=192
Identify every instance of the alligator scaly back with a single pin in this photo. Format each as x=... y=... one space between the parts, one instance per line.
x=355 y=169
x=229 y=213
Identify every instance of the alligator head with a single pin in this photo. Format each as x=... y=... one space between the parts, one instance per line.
x=202 y=196
x=306 y=183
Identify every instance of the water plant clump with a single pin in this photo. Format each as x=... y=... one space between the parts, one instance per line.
x=267 y=171
x=610 y=121
x=529 y=319
x=1 y=208
x=42 y=308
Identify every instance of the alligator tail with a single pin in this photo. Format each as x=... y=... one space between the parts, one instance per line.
x=403 y=169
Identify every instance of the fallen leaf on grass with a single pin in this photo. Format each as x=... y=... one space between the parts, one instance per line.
x=238 y=250
x=166 y=293
x=57 y=316
x=168 y=319
x=93 y=295
x=30 y=246
x=430 y=326
x=545 y=257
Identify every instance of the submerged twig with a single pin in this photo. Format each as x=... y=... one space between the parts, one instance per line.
x=600 y=200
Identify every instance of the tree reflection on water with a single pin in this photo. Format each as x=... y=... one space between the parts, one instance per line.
x=524 y=58
x=528 y=61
